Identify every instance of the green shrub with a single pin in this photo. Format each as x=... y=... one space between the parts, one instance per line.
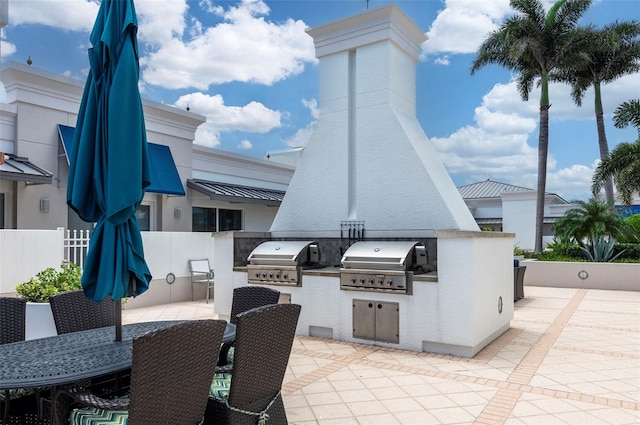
x=633 y=222
x=50 y=282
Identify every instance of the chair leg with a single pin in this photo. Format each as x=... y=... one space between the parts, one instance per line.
x=5 y=405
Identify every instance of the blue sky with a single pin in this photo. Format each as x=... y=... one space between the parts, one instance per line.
x=250 y=68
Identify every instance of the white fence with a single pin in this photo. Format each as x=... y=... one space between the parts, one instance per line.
x=75 y=246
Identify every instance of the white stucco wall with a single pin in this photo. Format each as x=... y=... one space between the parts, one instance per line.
x=38 y=101
x=457 y=314
x=23 y=253
x=519 y=217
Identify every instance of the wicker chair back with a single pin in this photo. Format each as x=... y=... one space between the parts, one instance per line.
x=171 y=373
x=12 y=319
x=264 y=337
x=246 y=298
x=73 y=312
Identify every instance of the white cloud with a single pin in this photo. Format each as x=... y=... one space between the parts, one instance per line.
x=312 y=105
x=462 y=25
x=6 y=49
x=573 y=182
x=159 y=25
x=69 y=15
x=245 y=145
x=302 y=136
x=245 y=47
x=442 y=60
x=497 y=145
x=251 y=118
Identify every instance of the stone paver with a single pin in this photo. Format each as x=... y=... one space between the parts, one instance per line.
x=572 y=356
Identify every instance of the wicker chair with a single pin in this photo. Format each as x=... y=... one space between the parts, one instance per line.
x=73 y=312
x=12 y=329
x=246 y=298
x=170 y=375
x=249 y=390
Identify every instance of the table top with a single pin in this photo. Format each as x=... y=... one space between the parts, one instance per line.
x=71 y=357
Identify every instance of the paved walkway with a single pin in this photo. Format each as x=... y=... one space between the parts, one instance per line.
x=572 y=356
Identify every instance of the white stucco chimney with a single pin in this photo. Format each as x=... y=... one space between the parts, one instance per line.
x=368 y=158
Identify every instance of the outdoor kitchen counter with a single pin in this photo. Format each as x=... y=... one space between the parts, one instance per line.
x=335 y=272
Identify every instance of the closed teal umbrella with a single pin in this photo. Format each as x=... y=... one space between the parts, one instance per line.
x=109 y=163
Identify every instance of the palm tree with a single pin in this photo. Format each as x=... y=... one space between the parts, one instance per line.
x=628 y=113
x=623 y=164
x=590 y=220
x=609 y=53
x=533 y=44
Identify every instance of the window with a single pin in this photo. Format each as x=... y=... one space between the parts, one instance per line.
x=215 y=219
x=229 y=220
x=143 y=215
x=204 y=219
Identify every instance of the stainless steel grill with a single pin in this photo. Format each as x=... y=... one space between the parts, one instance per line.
x=281 y=262
x=382 y=266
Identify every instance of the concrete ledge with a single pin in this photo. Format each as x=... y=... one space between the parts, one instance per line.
x=559 y=274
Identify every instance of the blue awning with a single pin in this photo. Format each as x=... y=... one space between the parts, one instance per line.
x=164 y=174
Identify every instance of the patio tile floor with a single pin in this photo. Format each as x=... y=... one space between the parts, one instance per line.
x=571 y=356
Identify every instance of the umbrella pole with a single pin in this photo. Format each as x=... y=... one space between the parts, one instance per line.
x=119 y=320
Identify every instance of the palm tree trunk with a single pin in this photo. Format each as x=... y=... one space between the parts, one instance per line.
x=604 y=152
x=602 y=141
x=543 y=151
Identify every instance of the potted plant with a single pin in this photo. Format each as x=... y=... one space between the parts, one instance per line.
x=37 y=290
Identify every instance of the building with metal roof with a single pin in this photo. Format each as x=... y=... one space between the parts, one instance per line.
x=508 y=208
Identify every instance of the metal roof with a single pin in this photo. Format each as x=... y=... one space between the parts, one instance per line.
x=236 y=193
x=19 y=168
x=488 y=189
x=489 y=221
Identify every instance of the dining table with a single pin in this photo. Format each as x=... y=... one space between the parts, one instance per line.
x=72 y=357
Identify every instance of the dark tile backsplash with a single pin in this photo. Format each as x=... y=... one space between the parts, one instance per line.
x=331 y=249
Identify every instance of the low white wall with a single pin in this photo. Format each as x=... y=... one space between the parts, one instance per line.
x=558 y=274
x=23 y=253
x=170 y=252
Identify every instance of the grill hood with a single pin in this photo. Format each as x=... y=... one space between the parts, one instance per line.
x=368 y=158
x=285 y=253
x=385 y=255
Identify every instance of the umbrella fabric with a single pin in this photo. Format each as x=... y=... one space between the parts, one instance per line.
x=109 y=164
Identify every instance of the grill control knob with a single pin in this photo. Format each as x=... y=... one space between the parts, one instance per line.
x=390 y=282
x=362 y=280
x=270 y=275
x=264 y=275
x=258 y=275
x=277 y=275
x=353 y=280
x=371 y=281
x=286 y=276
